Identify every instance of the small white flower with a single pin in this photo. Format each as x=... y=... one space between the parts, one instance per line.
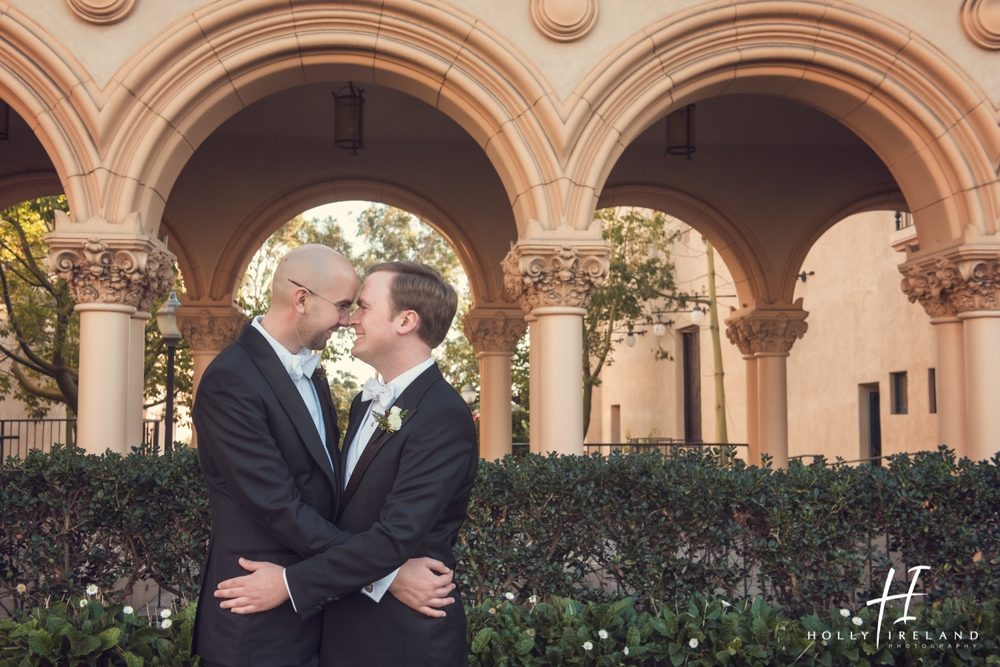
x=166 y=623
x=588 y=646
x=22 y=589
x=857 y=621
x=533 y=599
x=693 y=642
x=394 y=419
x=845 y=612
x=165 y=613
x=625 y=650
x=509 y=596
x=725 y=604
x=91 y=589
x=493 y=611
x=127 y=610
x=83 y=603
x=603 y=634
x=530 y=632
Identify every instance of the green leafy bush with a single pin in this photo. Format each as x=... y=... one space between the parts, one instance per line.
x=587 y=528
x=556 y=631
x=657 y=528
x=86 y=631
x=710 y=632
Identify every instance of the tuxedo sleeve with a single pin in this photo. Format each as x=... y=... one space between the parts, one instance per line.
x=231 y=421
x=435 y=463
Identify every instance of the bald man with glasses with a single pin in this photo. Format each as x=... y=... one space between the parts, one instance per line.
x=268 y=445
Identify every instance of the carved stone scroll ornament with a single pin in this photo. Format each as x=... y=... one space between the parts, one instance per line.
x=494 y=330
x=540 y=276
x=211 y=330
x=767 y=332
x=99 y=273
x=159 y=278
x=945 y=287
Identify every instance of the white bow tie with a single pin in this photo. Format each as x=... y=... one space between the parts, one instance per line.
x=375 y=389
x=303 y=364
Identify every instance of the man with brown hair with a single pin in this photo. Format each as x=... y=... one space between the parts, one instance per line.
x=410 y=461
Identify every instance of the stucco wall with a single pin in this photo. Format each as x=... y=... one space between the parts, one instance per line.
x=861 y=329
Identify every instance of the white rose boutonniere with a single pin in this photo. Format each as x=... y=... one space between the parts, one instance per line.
x=391 y=420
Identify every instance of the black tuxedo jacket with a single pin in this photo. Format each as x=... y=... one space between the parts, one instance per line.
x=407 y=497
x=273 y=497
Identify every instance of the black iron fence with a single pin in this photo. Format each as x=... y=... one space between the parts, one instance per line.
x=665 y=446
x=19 y=436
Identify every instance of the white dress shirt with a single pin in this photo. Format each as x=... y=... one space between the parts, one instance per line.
x=304 y=384
x=368 y=425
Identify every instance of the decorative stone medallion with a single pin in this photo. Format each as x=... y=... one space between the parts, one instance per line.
x=981 y=22
x=101 y=11
x=564 y=20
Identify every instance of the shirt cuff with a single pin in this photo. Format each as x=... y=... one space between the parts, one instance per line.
x=377 y=589
x=284 y=576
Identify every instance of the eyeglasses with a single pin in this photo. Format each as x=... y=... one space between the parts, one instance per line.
x=341 y=308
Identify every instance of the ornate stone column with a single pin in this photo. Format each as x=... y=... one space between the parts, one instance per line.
x=159 y=282
x=208 y=328
x=960 y=290
x=767 y=333
x=753 y=436
x=494 y=334
x=109 y=270
x=534 y=393
x=553 y=281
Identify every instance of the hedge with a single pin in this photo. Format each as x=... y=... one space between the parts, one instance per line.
x=88 y=630
x=588 y=528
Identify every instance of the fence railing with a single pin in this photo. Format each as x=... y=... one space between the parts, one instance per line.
x=666 y=446
x=19 y=436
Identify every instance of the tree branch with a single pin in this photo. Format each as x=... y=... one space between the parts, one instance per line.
x=35 y=389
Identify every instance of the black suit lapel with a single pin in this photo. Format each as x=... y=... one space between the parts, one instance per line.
x=330 y=421
x=408 y=401
x=277 y=377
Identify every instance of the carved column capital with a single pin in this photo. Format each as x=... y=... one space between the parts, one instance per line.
x=494 y=329
x=209 y=328
x=767 y=330
x=129 y=270
x=554 y=274
x=960 y=281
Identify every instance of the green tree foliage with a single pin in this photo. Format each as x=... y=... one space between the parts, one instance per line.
x=39 y=329
x=641 y=274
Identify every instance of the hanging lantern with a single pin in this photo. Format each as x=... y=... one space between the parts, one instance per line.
x=680 y=132
x=349 y=118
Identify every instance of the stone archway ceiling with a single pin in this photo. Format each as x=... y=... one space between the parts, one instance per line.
x=276 y=158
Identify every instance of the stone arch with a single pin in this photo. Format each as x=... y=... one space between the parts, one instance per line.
x=928 y=122
x=174 y=94
x=36 y=77
x=740 y=254
x=284 y=205
x=870 y=201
